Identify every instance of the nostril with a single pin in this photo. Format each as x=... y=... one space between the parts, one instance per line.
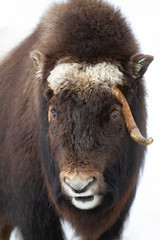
x=67 y=180
x=79 y=185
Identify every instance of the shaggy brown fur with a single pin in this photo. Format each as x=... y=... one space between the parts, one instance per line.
x=85 y=136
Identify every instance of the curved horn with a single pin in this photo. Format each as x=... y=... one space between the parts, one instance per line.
x=49 y=115
x=129 y=121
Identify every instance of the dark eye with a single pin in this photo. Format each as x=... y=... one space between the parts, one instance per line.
x=115 y=114
x=53 y=114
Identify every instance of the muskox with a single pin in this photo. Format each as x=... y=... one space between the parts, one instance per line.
x=72 y=125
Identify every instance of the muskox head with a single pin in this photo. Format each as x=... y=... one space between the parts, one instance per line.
x=90 y=127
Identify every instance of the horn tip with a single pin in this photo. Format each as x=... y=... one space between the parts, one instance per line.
x=149 y=141
x=146 y=142
x=136 y=136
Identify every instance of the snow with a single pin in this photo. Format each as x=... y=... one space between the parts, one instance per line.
x=19 y=17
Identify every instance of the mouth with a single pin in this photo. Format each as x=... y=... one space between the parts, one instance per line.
x=84 y=199
x=87 y=202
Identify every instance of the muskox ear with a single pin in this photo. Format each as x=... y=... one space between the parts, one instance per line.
x=37 y=57
x=139 y=64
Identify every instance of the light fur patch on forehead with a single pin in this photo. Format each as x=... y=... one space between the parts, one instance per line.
x=106 y=74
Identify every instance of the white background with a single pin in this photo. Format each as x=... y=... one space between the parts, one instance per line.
x=19 y=17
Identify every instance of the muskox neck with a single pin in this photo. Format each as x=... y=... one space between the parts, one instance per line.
x=68 y=231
